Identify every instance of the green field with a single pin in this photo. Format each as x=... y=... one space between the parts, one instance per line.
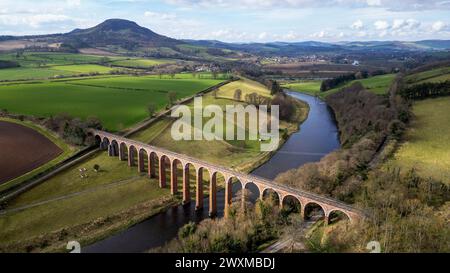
x=23 y=73
x=433 y=75
x=427 y=143
x=140 y=63
x=114 y=188
x=84 y=68
x=118 y=102
x=44 y=59
x=308 y=87
x=30 y=73
x=378 y=85
x=246 y=86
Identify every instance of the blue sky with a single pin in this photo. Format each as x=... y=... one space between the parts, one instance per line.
x=240 y=20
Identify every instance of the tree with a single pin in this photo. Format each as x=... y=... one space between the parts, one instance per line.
x=238 y=94
x=104 y=60
x=172 y=96
x=151 y=109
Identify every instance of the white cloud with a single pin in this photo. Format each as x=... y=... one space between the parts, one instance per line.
x=34 y=20
x=374 y=2
x=408 y=24
x=160 y=16
x=381 y=25
x=439 y=26
x=290 y=36
x=262 y=35
x=357 y=25
x=399 y=6
x=73 y=3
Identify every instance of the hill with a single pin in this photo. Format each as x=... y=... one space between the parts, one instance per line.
x=118 y=32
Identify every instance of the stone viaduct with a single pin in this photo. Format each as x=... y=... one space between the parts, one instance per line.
x=132 y=151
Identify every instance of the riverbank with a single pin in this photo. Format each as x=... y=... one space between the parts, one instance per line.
x=89 y=232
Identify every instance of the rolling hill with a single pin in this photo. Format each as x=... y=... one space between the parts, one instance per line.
x=119 y=35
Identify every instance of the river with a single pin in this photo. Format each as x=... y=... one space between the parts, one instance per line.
x=317 y=137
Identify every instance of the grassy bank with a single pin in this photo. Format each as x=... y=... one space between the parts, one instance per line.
x=426 y=143
x=377 y=84
x=308 y=87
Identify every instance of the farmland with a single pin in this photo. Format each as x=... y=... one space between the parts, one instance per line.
x=427 y=141
x=118 y=102
x=140 y=63
x=433 y=75
x=30 y=140
x=67 y=201
x=245 y=85
x=308 y=87
x=36 y=65
x=38 y=59
x=377 y=84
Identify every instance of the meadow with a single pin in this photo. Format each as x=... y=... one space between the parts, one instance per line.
x=44 y=59
x=433 y=75
x=140 y=63
x=426 y=143
x=119 y=102
x=308 y=87
x=377 y=84
x=67 y=199
x=41 y=65
x=247 y=86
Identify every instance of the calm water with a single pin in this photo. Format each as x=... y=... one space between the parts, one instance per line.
x=317 y=137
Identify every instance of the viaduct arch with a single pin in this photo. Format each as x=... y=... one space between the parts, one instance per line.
x=132 y=151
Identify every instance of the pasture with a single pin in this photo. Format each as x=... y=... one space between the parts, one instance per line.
x=247 y=86
x=84 y=68
x=308 y=87
x=426 y=144
x=433 y=75
x=377 y=84
x=119 y=102
x=140 y=63
x=44 y=59
x=66 y=200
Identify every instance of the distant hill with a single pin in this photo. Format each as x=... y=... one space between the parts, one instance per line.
x=119 y=35
x=118 y=32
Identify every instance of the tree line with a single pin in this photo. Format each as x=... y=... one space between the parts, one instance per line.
x=426 y=90
x=73 y=130
x=342 y=79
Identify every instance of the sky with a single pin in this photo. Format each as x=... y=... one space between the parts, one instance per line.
x=240 y=20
